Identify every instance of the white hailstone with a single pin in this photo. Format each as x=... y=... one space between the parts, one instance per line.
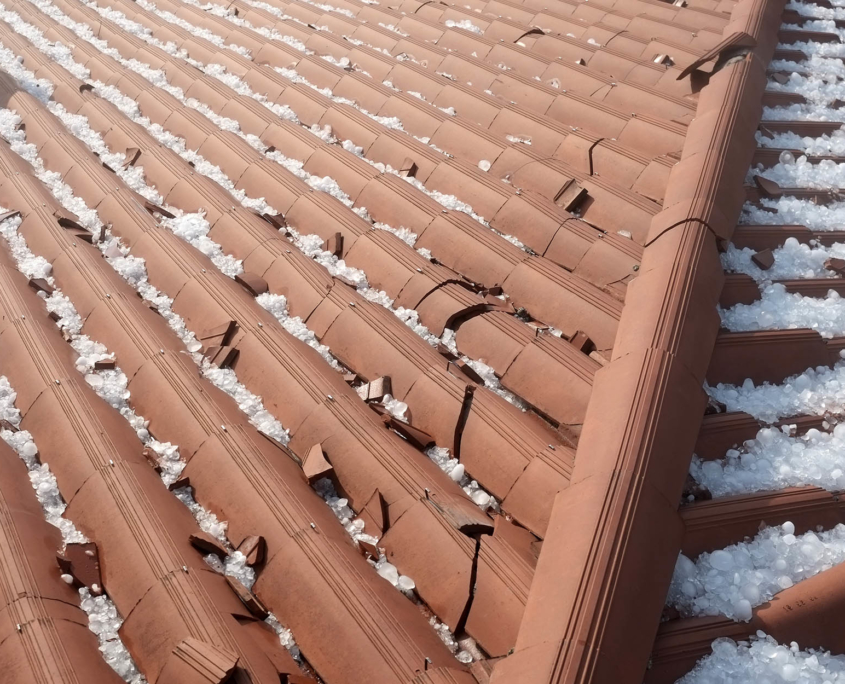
x=777 y=309
x=762 y=659
x=192 y=228
x=734 y=580
x=742 y=610
x=94 y=380
x=405 y=584
x=776 y=459
x=389 y=572
x=397 y=409
x=457 y=472
x=481 y=498
x=722 y=560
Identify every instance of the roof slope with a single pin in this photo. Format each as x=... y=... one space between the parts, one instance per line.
x=420 y=295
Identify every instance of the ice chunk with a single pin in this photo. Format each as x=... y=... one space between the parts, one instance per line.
x=762 y=659
x=734 y=580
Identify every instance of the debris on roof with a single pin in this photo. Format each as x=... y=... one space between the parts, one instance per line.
x=359 y=342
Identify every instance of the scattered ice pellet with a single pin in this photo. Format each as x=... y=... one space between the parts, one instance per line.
x=776 y=459
x=464 y=24
x=481 y=498
x=778 y=309
x=389 y=572
x=102 y=614
x=734 y=580
x=793 y=260
x=309 y=244
x=193 y=228
x=405 y=584
x=343 y=512
x=816 y=391
x=397 y=409
x=762 y=659
x=443 y=459
x=105 y=622
x=457 y=473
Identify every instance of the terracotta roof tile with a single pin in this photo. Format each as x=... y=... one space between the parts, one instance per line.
x=44 y=633
x=505 y=215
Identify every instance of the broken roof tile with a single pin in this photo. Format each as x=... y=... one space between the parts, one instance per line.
x=490 y=289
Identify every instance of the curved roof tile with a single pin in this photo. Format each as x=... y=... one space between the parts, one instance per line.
x=540 y=198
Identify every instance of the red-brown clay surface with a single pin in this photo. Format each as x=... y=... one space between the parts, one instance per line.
x=504 y=218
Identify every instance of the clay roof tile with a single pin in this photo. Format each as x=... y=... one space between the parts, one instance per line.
x=561 y=193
